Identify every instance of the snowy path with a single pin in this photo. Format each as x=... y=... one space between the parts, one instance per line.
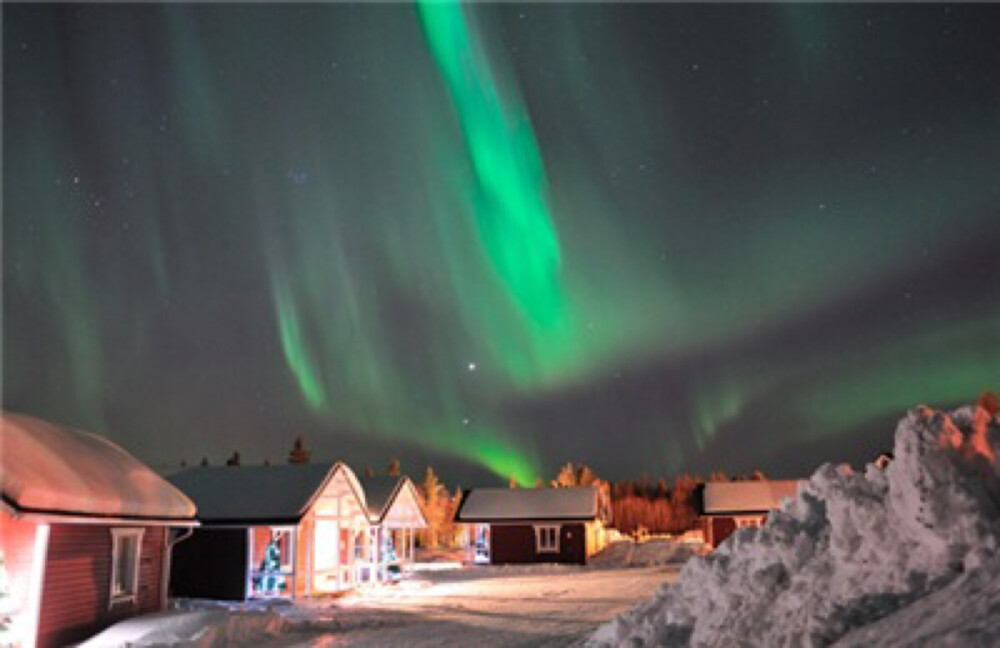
x=542 y=605
x=556 y=608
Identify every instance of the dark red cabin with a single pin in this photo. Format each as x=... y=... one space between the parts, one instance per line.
x=724 y=507
x=84 y=533
x=535 y=525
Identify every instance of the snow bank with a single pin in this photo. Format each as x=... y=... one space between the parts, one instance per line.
x=964 y=613
x=649 y=553
x=193 y=629
x=848 y=550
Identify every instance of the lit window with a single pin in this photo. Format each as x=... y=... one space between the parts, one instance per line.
x=547 y=538
x=125 y=547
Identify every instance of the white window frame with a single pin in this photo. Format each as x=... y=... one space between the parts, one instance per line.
x=542 y=531
x=288 y=574
x=132 y=595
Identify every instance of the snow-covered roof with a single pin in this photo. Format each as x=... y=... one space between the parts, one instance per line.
x=382 y=492
x=49 y=469
x=746 y=496
x=259 y=494
x=515 y=504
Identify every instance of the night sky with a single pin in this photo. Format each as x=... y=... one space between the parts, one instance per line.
x=652 y=238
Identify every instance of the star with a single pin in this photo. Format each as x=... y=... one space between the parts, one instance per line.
x=472 y=366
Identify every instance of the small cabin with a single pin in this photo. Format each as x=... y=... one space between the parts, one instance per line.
x=85 y=534
x=535 y=525
x=724 y=507
x=395 y=516
x=284 y=531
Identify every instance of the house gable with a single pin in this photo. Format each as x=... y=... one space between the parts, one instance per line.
x=404 y=509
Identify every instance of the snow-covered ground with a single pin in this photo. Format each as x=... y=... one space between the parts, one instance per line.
x=906 y=555
x=532 y=605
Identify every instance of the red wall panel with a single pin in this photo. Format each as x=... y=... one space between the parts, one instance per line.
x=77 y=585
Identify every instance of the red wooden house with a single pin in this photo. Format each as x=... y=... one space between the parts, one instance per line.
x=535 y=525
x=726 y=506
x=84 y=533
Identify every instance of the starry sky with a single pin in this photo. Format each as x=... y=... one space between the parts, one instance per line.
x=496 y=238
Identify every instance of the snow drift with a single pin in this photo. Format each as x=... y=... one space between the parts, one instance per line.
x=852 y=549
x=650 y=553
x=207 y=628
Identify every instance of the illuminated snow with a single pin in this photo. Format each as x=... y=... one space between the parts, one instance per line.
x=852 y=549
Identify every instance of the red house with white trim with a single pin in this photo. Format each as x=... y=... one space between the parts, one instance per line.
x=84 y=533
x=725 y=507
x=535 y=525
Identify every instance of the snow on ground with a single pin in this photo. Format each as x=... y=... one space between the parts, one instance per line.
x=528 y=605
x=904 y=555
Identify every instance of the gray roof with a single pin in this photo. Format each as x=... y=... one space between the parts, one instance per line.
x=507 y=504
x=253 y=494
x=380 y=490
x=721 y=498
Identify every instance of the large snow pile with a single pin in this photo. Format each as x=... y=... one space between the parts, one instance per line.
x=849 y=549
x=964 y=613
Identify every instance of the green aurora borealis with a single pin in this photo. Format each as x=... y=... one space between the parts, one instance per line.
x=501 y=237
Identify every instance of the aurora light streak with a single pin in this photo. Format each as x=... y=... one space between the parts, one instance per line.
x=666 y=237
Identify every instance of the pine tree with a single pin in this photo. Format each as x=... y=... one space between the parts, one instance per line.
x=234 y=460
x=435 y=497
x=204 y=461
x=566 y=476
x=299 y=454
x=585 y=476
x=449 y=530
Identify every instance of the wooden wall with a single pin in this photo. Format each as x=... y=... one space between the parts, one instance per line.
x=77 y=584
x=515 y=543
x=720 y=528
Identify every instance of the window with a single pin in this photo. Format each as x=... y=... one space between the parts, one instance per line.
x=547 y=538
x=272 y=561
x=750 y=521
x=125 y=547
